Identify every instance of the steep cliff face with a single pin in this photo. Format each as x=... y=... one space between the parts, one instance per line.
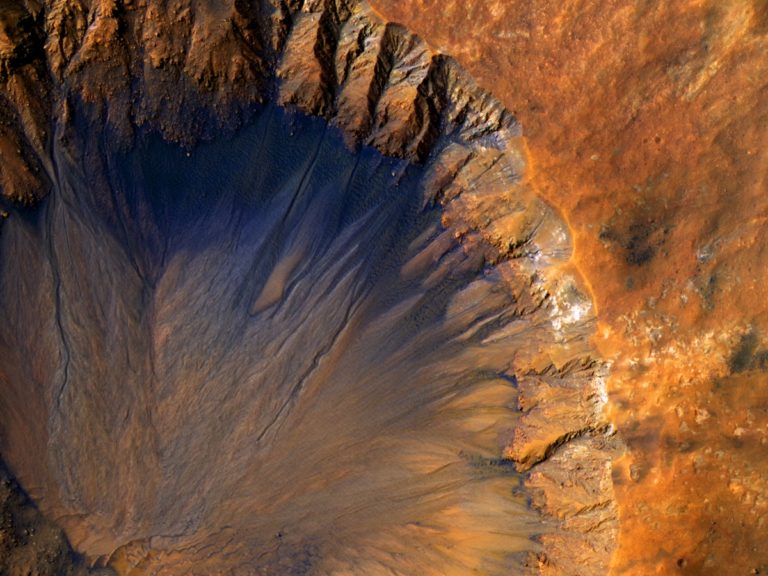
x=190 y=71
x=284 y=301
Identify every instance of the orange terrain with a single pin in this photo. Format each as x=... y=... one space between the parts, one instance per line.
x=647 y=125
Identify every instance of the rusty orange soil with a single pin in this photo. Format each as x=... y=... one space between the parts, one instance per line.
x=647 y=124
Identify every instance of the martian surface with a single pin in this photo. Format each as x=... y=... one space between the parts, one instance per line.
x=365 y=287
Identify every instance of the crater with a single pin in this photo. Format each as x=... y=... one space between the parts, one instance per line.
x=279 y=299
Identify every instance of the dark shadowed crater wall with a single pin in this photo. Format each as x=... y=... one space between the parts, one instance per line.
x=267 y=353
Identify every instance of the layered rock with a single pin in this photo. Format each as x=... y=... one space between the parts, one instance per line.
x=112 y=74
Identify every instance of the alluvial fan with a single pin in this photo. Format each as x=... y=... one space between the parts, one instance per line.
x=345 y=344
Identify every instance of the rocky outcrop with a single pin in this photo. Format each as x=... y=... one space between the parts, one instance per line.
x=86 y=81
x=25 y=104
x=29 y=543
x=191 y=72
